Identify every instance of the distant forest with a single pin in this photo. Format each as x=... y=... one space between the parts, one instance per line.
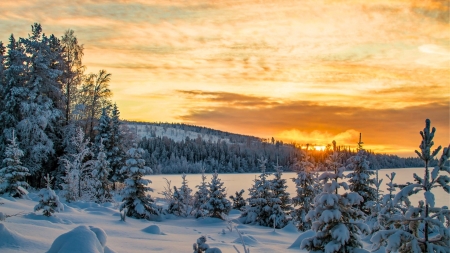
x=241 y=153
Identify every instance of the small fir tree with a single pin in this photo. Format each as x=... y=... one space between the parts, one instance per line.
x=103 y=136
x=176 y=204
x=238 y=201
x=13 y=174
x=186 y=192
x=427 y=225
x=217 y=202
x=359 y=180
x=335 y=218
x=280 y=202
x=134 y=196
x=257 y=211
x=116 y=157
x=200 y=198
x=100 y=173
x=48 y=200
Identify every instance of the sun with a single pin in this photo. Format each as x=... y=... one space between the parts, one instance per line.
x=319 y=148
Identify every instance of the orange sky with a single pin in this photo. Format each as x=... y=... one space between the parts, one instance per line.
x=311 y=71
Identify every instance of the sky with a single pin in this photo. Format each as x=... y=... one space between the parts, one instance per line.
x=309 y=71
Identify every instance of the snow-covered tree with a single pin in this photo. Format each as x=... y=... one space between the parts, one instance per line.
x=186 y=192
x=217 y=202
x=306 y=189
x=238 y=201
x=360 y=180
x=177 y=204
x=103 y=136
x=427 y=224
x=78 y=167
x=134 y=196
x=116 y=157
x=257 y=211
x=280 y=202
x=13 y=173
x=335 y=218
x=48 y=200
x=200 y=198
x=100 y=174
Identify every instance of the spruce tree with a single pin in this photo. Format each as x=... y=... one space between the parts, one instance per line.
x=200 y=198
x=186 y=192
x=135 y=199
x=13 y=173
x=360 y=180
x=306 y=189
x=100 y=173
x=116 y=157
x=257 y=211
x=48 y=200
x=280 y=202
x=217 y=202
x=335 y=218
x=426 y=231
x=103 y=136
x=238 y=201
x=176 y=204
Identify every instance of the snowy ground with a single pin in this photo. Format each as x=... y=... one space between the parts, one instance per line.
x=33 y=232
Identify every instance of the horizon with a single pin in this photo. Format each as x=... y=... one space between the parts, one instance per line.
x=310 y=72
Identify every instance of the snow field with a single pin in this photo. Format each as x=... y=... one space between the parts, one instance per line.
x=33 y=232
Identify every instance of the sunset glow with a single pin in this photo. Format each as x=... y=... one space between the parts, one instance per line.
x=299 y=71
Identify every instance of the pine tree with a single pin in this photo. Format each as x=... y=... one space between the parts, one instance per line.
x=280 y=201
x=48 y=200
x=306 y=189
x=13 y=174
x=335 y=218
x=217 y=202
x=116 y=157
x=257 y=211
x=426 y=229
x=100 y=173
x=77 y=165
x=238 y=201
x=200 y=198
x=103 y=136
x=135 y=200
x=176 y=204
x=186 y=192
x=359 y=180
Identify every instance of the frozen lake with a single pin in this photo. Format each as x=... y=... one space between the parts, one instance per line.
x=236 y=182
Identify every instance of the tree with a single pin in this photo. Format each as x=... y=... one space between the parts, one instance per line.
x=185 y=192
x=335 y=218
x=13 y=173
x=238 y=201
x=217 y=202
x=48 y=200
x=103 y=136
x=426 y=231
x=177 y=204
x=94 y=96
x=135 y=199
x=280 y=201
x=306 y=189
x=100 y=173
x=257 y=211
x=116 y=157
x=73 y=70
x=200 y=198
x=360 y=181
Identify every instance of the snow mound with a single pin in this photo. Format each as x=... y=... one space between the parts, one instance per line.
x=248 y=240
x=290 y=228
x=52 y=219
x=153 y=229
x=10 y=239
x=81 y=239
x=234 y=211
x=300 y=238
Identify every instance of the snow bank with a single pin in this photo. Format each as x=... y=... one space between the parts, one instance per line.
x=248 y=240
x=153 y=229
x=81 y=239
x=10 y=239
x=300 y=238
